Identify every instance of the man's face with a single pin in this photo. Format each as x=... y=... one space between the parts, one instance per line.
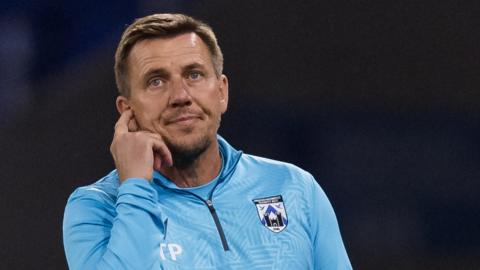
x=175 y=92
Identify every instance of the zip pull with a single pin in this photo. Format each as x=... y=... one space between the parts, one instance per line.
x=210 y=206
x=217 y=224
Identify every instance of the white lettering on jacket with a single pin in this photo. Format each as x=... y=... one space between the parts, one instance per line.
x=174 y=250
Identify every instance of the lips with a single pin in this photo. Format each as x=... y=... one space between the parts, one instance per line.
x=183 y=119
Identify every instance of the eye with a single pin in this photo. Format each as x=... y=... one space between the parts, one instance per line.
x=195 y=75
x=157 y=82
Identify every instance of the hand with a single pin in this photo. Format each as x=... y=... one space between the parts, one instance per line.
x=137 y=153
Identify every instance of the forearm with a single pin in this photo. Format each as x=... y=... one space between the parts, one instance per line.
x=126 y=237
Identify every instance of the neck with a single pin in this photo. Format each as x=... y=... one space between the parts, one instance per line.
x=201 y=171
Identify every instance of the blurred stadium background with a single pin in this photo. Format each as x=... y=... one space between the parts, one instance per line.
x=378 y=99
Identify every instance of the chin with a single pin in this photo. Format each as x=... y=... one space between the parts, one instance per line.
x=186 y=149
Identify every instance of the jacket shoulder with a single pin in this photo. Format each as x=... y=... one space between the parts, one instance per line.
x=105 y=189
x=273 y=167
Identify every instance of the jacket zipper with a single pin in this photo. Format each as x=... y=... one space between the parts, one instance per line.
x=213 y=212
x=217 y=224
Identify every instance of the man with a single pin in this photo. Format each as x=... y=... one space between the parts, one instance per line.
x=181 y=197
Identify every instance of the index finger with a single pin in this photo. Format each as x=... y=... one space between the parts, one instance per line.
x=122 y=124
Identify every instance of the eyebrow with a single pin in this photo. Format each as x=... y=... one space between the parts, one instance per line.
x=194 y=66
x=156 y=72
x=161 y=72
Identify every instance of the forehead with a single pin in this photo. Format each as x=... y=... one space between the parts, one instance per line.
x=167 y=52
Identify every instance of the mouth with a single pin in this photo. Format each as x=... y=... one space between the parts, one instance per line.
x=184 y=120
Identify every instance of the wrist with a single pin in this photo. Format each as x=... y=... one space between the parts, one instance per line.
x=127 y=176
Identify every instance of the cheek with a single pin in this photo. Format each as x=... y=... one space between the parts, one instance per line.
x=146 y=111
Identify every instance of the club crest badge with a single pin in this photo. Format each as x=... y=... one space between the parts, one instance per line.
x=272 y=213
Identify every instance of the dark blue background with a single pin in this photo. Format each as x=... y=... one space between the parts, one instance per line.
x=378 y=99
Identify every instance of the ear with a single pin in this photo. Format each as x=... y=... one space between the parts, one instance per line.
x=122 y=104
x=223 y=93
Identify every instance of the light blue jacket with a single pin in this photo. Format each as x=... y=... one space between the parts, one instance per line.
x=257 y=214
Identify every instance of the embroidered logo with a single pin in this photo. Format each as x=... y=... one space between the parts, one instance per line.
x=272 y=213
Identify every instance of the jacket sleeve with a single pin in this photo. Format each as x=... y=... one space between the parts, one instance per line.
x=121 y=234
x=329 y=250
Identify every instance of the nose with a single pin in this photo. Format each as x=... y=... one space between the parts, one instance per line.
x=180 y=95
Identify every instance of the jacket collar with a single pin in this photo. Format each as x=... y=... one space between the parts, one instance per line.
x=230 y=157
